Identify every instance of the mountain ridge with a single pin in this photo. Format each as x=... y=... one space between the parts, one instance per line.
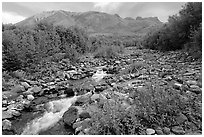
x=93 y=21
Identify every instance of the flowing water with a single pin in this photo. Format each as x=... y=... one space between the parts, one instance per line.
x=55 y=111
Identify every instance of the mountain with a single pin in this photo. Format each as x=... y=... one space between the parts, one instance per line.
x=96 y=23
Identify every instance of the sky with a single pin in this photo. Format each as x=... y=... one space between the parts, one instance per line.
x=13 y=12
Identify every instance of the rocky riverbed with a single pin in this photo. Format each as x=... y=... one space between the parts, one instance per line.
x=95 y=81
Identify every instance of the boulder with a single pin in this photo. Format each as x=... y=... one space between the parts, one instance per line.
x=30 y=97
x=180 y=118
x=26 y=85
x=6 y=124
x=18 y=89
x=84 y=114
x=6 y=115
x=178 y=130
x=70 y=116
x=166 y=130
x=69 y=92
x=195 y=89
x=150 y=131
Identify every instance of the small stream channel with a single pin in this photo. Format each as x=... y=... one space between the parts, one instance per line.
x=50 y=121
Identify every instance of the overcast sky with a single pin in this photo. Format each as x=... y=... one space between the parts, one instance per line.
x=13 y=12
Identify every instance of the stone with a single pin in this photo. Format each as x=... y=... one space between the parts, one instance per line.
x=69 y=92
x=30 y=97
x=177 y=86
x=178 y=130
x=95 y=97
x=26 y=85
x=166 y=130
x=6 y=124
x=6 y=115
x=15 y=113
x=78 y=129
x=180 y=119
x=150 y=131
x=196 y=89
x=86 y=131
x=159 y=132
x=18 y=89
x=77 y=124
x=83 y=115
x=36 y=89
x=83 y=99
x=70 y=116
x=191 y=82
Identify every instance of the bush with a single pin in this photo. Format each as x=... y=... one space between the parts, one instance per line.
x=152 y=106
x=113 y=119
x=108 y=51
x=25 y=48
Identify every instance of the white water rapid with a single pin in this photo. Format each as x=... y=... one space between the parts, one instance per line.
x=99 y=75
x=55 y=110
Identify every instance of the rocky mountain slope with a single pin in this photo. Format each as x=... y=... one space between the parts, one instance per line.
x=94 y=22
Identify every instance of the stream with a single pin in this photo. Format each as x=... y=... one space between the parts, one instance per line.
x=54 y=111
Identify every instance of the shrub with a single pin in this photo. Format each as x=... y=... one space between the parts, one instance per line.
x=108 y=51
x=113 y=119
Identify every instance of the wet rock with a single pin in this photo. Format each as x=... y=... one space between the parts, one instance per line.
x=83 y=115
x=6 y=124
x=69 y=92
x=166 y=130
x=70 y=116
x=83 y=99
x=18 y=89
x=26 y=85
x=178 y=130
x=30 y=97
x=40 y=100
x=150 y=131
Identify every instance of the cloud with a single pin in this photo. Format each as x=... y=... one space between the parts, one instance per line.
x=10 y=17
x=107 y=6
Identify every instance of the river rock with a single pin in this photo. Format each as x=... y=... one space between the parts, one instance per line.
x=177 y=86
x=25 y=84
x=95 y=97
x=181 y=118
x=18 y=89
x=150 y=131
x=6 y=115
x=6 y=124
x=178 y=130
x=30 y=97
x=83 y=115
x=166 y=130
x=70 y=116
x=69 y=92
x=196 y=89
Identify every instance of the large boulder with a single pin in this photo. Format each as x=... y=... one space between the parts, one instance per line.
x=69 y=92
x=18 y=89
x=70 y=116
x=6 y=124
